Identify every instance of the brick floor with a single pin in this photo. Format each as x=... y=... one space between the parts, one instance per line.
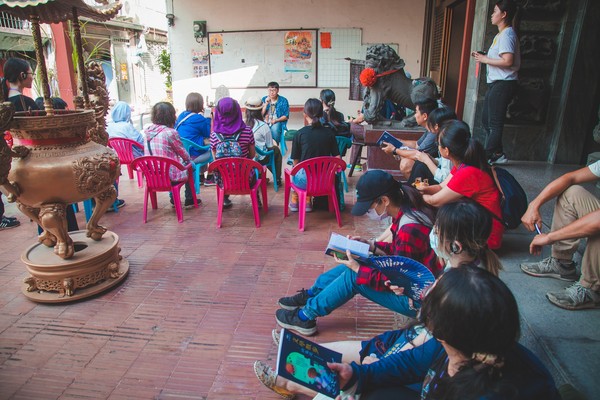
x=193 y=315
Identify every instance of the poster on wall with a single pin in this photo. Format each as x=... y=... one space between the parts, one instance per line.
x=216 y=43
x=298 y=55
x=200 y=63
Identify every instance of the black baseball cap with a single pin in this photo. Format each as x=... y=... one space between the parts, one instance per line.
x=372 y=185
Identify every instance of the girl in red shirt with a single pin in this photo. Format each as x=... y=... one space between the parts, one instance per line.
x=470 y=176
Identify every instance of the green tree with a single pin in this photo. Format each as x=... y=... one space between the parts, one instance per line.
x=164 y=64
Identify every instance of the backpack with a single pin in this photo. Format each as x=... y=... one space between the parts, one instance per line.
x=514 y=200
x=228 y=147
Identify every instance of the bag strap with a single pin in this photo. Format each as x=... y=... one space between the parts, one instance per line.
x=183 y=120
x=495 y=176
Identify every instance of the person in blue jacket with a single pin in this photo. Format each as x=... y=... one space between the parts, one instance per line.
x=474 y=321
x=194 y=126
x=122 y=127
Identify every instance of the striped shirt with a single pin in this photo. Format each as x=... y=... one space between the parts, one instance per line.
x=245 y=140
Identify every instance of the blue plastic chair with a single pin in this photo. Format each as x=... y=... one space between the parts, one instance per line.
x=188 y=144
x=344 y=143
x=282 y=145
x=271 y=155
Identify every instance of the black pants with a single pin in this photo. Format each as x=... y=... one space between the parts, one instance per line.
x=421 y=170
x=278 y=161
x=188 y=191
x=497 y=98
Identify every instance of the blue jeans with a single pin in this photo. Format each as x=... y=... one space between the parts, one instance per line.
x=277 y=131
x=335 y=287
x=497 y=98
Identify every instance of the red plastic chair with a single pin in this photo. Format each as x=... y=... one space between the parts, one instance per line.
x=124 y=149
x=237 y=178
x=320 y=181
x=156 y=172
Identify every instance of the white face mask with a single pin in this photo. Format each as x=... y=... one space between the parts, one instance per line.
x=434 y=242
x=372 y=214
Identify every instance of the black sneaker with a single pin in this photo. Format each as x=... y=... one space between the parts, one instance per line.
x=290 y=320
x=7 y=223
x=227 y=203
x=296 y=301
x=189 y=203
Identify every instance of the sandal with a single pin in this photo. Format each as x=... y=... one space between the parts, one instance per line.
x=267 y=376
x=276 y=337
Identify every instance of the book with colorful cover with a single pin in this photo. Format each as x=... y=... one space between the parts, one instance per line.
x=404 y=272
x=338 y=244
x=305 y=363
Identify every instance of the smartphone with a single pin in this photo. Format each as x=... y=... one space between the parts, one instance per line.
x=482 y=52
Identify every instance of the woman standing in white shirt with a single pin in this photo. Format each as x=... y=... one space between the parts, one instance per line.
x=503 y=61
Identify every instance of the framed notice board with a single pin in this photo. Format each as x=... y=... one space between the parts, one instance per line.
x=241 y=59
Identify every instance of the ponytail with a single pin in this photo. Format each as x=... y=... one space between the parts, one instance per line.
x=490 y=261
x=313 y=108
x=475 y=379
x=475 y=156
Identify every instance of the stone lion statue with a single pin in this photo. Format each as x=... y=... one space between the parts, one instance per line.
x=385 y=79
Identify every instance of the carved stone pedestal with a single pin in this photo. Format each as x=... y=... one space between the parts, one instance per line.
x=96 y=266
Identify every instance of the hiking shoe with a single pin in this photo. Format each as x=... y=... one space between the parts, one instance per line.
x=7 y=223
x=575 y=297
x=227 y=203
x=210 y=181
x=267 y=377
x=290 y=320
x=551 y=268
x=276 y=336
x=296 y=301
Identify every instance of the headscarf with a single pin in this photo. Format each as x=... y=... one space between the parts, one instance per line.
x=228 y=117
x=121 y=112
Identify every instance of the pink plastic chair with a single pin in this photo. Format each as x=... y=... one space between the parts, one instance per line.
x=124 y=149
x=320 y=181
x=237 y=178
x=156 y=171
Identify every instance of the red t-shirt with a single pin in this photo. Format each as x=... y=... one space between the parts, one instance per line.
x=477 y=185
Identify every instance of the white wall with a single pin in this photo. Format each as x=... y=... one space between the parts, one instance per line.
x=381 y=21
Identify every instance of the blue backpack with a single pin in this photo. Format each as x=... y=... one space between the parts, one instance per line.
x=514 y=200
x=228 y=146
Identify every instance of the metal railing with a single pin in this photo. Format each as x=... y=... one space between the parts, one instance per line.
x=8 y=21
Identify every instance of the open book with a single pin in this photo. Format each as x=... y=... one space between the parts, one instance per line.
x=338 y=245
x=389 y=138
x=305 y=363
x=404 y=272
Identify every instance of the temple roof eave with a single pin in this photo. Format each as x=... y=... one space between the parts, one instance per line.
x=55 y=11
